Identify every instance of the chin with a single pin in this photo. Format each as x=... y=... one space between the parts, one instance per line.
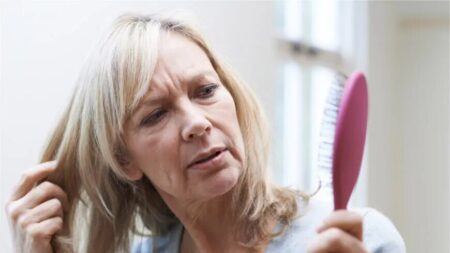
x=220 y=183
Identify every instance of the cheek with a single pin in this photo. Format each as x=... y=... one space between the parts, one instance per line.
x=157 y=156
x=227 y=112
x=229 y=124
x=233 y=119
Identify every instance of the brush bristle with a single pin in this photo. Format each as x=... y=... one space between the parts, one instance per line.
x=330 y=114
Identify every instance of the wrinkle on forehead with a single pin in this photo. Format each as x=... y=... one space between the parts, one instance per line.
x=180 y=62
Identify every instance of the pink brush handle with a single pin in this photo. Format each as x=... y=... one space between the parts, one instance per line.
x=350 y=135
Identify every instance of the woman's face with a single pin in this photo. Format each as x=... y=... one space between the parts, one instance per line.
x=185 y=136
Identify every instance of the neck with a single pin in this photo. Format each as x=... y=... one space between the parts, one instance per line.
x=208 y=226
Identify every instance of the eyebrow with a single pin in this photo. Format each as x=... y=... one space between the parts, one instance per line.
x=199 y=76
x=195 y=78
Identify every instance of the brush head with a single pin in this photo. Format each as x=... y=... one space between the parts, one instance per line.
x=349 y=138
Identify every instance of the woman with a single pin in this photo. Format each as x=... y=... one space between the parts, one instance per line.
x=161 y=137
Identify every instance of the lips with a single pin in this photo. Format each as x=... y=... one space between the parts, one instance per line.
x=206 y=156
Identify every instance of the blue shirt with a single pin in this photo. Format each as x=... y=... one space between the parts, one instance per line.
x=379 y=235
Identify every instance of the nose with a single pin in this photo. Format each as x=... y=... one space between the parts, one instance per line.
x=196 y=125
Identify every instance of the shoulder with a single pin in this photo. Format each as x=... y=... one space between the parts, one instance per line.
x=145 y=245
x=380 y=235
x=168 y=243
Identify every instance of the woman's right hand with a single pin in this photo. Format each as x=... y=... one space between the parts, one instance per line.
x=35 y=210
x=341 y=231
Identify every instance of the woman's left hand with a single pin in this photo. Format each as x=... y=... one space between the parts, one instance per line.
x=341 y=232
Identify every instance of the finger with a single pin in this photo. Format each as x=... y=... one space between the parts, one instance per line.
x=44 y=231
x=336 y=241
x=48 y=209
x=41 y=193
x=350 y=222
x=31 y=177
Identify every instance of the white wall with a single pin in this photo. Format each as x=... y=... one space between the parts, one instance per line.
x=43 y=44
x=382 y=136
x=409 y=120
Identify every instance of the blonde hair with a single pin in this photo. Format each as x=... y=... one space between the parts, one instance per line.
x=89 y=146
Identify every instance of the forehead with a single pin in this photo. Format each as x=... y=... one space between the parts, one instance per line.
x=180 y=61
x=179 y=57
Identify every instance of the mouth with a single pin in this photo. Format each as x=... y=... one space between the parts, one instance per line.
x=206 y=157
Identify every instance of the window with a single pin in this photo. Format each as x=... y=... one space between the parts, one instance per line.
x=315 y=40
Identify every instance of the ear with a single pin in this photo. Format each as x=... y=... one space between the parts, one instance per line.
x=133 y=172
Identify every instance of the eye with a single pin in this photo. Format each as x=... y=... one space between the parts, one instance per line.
x=208 y=90
x=154 y=117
